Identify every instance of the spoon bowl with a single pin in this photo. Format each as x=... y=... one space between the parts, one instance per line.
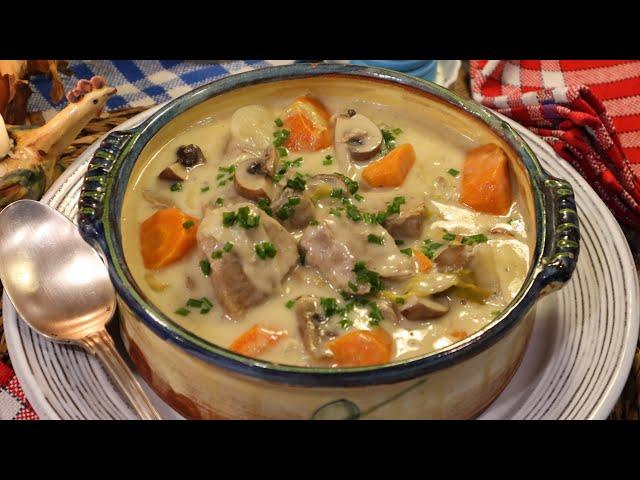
x=60 y=287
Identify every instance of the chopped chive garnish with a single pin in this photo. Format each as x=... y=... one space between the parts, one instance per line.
x=183 y=311
x=205 y=310
x=453 y=172
x=430 y=247
x=206 y=302
x=222 y=183
x=352 y=286
x=217 y=254
x=279 y=122
x=176 y=187
x=336 y=193
x=228 y=247
x=313 y=222
x=473 y=239
x=378 y=240
x=283 y=152
x=407 y=251
x=495 y=313
x=328 y=160
x=188 y=224
x=264 y=205
x=205 y=189
x=194 y=302
x=290 y=304
x=219 y=176
x=265 y=250
x=399 y=242
x=205 y=267
x=449 y=237
x=219 y=201
x=399 y=300
x=358 y=197
x=297 y=183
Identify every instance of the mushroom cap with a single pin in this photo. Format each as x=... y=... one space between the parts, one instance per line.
x=251 y=183
x=423 y=308
x=361 y=137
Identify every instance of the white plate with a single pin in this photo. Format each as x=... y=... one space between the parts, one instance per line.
x=575 y=366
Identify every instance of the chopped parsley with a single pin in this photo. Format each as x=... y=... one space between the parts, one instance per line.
x=378 y=240
x=449 y=237
x=264 y=204
x=389 y=139
x=430 y=247
x=194 y=302
x=366 y=276
x=286 y=210
x=297 y=183
x=453 y=172
x=286 y=165
x=242 y=217
x=205 y=268
x=188 y=224
x=394 y=206
x=330 y=306
x=176 y=187
x=352 y=185
x=265 y=250
x=473 y=239
x=280 y=136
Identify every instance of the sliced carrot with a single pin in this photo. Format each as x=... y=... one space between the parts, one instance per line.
x=424 y=264
x=308 y=123
x=392 y=169
x=485 y=180
x=258 y=339
x=362 y=347
x=459 y=334
x=166 y=237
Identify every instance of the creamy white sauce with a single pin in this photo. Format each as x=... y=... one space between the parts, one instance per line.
x=500 y=266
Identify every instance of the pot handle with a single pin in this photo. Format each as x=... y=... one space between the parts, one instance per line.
x=562 y=247
x=96 y=181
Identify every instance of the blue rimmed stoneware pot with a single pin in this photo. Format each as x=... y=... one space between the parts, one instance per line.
x=203 y=380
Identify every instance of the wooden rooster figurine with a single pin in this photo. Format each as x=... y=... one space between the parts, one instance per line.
x=28 y=156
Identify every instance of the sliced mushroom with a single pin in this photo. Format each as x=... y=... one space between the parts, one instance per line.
x=454 y=257
x=251 y=183
x=408 y=223
x=190 y=155
x=422 y=308
x=156 y=200
x=176 y=172
x=313 y=327
x=357 y=136
x=292 y=217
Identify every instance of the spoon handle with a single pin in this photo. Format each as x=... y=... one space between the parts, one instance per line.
x=101 y=345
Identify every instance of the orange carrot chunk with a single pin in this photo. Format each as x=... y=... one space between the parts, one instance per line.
x=362 y=347
x=392 y=169
x=308 y=123
x=459 y=334
x=424 y=264
x=258 y=339
x=485 y=180
x=166 y=237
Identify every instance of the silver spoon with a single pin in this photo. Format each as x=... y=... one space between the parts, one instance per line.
x=60 y=286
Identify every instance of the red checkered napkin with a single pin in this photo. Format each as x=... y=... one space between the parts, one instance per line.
x=587 y=110
x=13 y=404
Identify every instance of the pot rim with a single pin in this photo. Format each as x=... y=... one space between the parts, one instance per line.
x=100 y=219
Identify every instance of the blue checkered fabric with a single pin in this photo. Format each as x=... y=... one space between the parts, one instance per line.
x=141 y=83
